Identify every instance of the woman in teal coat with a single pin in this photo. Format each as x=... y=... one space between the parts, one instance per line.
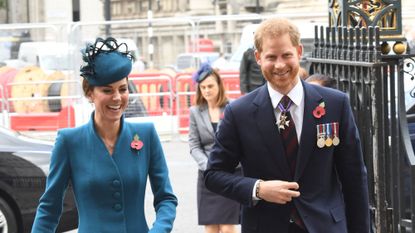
x=108 y=160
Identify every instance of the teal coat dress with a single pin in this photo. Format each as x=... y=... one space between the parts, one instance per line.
x=109 y=190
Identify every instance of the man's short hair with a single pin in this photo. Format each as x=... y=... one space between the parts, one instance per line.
x=276 y=27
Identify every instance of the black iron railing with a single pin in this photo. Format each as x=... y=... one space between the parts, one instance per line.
x=375 y=85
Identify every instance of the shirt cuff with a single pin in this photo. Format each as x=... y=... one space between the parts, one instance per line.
x=254 y=197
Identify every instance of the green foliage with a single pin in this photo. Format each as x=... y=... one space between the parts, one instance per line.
x=3 y=4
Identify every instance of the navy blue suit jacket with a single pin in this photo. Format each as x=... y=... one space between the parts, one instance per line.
x=332 y=180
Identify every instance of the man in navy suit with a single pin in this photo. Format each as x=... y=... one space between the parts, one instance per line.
x=302 y=159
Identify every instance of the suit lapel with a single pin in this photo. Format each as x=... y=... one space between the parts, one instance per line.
x=264 y=115
x=308 y=133
x=204 y=112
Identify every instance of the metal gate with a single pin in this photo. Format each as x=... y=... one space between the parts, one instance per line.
x=375 y=84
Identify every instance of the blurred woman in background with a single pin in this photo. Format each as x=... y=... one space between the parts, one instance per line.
x=215 y=212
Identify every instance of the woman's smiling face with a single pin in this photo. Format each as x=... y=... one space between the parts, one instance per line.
x=110 y=100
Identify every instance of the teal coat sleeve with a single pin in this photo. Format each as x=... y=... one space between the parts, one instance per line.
x=165 y=201
x=51 y=202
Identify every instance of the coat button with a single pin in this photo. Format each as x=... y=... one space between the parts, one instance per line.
x=116 y=183
x=117 y=207
x=116 y=195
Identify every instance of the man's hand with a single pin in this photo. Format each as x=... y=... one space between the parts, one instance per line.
x=278 y=191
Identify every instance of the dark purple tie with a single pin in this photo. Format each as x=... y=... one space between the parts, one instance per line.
x=289 y=134
x=290 y=141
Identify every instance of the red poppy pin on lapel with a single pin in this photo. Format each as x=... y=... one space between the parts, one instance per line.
x=319 y=111
x=137 y=144
x=222 y=115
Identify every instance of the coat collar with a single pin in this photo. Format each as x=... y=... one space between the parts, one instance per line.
x=91 y=124
x=308 y=133
x=204 y=112
x=265 y=120
x=94 y=133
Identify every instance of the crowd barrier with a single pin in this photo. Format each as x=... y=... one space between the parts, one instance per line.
x=3 y=107
x=3 y=102
x=231 y=83
x=50 y=121
x=33 y=104
x=155 y=92
x=6 y=76
x=34 y=100
x=186 y=90
x=185 y=97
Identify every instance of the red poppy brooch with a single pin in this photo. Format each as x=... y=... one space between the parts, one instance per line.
x=222 y=115
x=319 y=111
x=137 y=144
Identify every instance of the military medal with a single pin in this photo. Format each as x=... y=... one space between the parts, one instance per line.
x=336 y=139
x=328 y=142
x=320 y=136
x=321 y=142
x=283 y=121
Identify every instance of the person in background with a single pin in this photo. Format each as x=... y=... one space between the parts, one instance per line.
x=250 y=74
x=298 y=145
x=108 y=160
x=215 y=212
x=321 y=79
x=303 y=73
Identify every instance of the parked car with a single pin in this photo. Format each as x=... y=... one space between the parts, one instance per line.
x=24 y=165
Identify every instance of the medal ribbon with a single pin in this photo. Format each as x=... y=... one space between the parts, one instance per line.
x=286 y=109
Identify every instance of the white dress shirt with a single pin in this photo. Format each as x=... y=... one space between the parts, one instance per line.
x=296 y=110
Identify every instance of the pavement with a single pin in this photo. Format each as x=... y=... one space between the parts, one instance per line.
x=183 y=176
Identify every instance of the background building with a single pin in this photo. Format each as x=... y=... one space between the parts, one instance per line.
x=35 y=11
x=161 y=46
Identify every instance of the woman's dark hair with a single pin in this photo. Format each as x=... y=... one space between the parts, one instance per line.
x=222 y=100
x=86 y=87
x=322 y=79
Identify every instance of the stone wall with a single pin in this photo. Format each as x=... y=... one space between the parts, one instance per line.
x=3 y=16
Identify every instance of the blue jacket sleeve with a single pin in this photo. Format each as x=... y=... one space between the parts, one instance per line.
x=51 y=202
x=224 y=158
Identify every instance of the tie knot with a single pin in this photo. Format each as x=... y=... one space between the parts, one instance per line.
x=285 y=102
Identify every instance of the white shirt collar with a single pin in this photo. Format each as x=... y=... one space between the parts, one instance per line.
x=296 y=94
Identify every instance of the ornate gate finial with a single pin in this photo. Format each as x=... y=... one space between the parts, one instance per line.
x=387 y=14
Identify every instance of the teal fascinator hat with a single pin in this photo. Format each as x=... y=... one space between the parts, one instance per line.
x=106 y=62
